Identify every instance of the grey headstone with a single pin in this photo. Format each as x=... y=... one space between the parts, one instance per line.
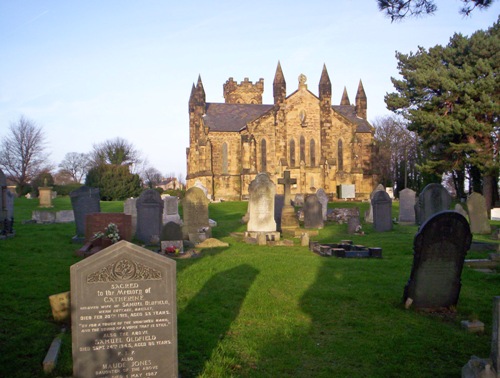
x=439 y=247
x=313 y=212
x=478 y=214
x=171 y=210
x=261 y=204
x=124 y=317
x=323 y=199
x=9 y=199
x=149 y=216
x=407 y=206
x=433 y=199
x=459 y=209
x=130 y=208
x=195 y=211
x=298 y=200
x=382 y=211
x=41 y=216
x=369 y=215
x=85 y=200
x=495 y=335
x=171 y=231
x=353 y=224
x=65 y=216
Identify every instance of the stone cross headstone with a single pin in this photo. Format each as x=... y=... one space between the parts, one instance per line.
x=289 y=221
x=123 y=314
x=382 y=211
x=313 y=213
x=130 y=208
x=195 y=211
x=478 y=214
x=149 y=216
x=433 y=199
x=261 y=204
x=439 y=247
x=407 y=206
x=171 y=210
x=85 y=200
x=369 y=214
x=323 y=199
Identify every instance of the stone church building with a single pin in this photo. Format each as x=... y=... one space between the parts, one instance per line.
x=322 y=145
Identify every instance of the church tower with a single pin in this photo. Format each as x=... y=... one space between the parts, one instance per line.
x=244 y=93
x=279 y=86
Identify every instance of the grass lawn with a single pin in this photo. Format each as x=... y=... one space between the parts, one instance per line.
x=250 y=311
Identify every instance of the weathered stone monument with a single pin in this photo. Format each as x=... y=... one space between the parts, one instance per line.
x=85 y=200
x=130 y=208
x=459 y=209
x=261 y=204
x=171 y=210
x=381 y=204
x=323 y=199
x=289 y=221
x=123 y=314
x=407 y=206
x=369 y=213
x=313 y=212
x=433 y=199
x=353 y=225
x=149 y=216
x=195 y=210
x=45 y=196
x=487 y=367
x=6 y=209
x=171 y=236
x=439 y=247
x=478 y=214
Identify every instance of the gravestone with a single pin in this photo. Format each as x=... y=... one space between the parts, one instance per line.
x=495 y=213
x=171 y=210
x=478 y=214
x=289 y=221
x=353 y=225
x=382 y=211
x=261 y=204
x=84 y=200
x=123 y=314
x=323 y=199
x=130 y=208
x=407 y=206
x=279 y=202
x=439 y=247
x=346 y=191
x=171 y=231
x=459 y=209
x=45 y=196
x=149 y=216
x=433 y=199
x=495 y=336
x=313 y=212
x=298 y=200
x=195 y=209
x=3 y=204
x=369 y=213
x=199 y=185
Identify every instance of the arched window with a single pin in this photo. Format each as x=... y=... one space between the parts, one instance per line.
x=302 y=149
x=312 y=152
x=340 y=156
x=224 y=159
x=263 y=155
x=292 y=153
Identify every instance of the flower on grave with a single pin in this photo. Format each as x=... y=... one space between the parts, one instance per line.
x=111 y=232
x=173 y=250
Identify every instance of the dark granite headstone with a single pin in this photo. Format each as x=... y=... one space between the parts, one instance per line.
x=439 y=247
x=279 y=202
x=85 y=200
x=433 y=199
x=123 y=314
x=149 y=216
x=382 y=211
x=171 y=231
x=313 y=212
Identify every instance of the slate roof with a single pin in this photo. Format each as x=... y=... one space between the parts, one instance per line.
x=232 y=117
x=349 y=112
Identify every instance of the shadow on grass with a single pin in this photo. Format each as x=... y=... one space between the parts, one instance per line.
x=208 y=316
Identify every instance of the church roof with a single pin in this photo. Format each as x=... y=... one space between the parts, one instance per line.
x=349 y=112
x=232 y=117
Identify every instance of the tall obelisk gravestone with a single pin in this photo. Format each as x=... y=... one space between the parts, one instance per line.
x=123 y=314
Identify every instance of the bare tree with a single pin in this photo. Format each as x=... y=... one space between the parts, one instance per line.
x=400 y=9
x=115 y=151
x=22 y=152
x=151 y=177
x=76 y=165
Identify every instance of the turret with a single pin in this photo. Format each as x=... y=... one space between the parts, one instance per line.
x=361 y=101
x=325 y=85
x=279 y=85
x=345 y=98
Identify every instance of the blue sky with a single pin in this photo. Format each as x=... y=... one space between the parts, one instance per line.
x=88 y=71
